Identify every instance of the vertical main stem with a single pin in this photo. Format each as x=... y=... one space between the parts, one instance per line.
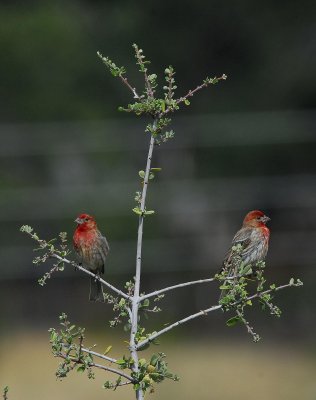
x=135 y=299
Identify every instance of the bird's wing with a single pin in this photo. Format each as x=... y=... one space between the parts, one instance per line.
x=242 y=237
x=104 y=249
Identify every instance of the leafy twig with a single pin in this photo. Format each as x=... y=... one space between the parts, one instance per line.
x=250 y=330
x=118 y=71
x=53 y=252
x=183 y=99
x=93 y=364
x=208 y=310
x=97 y=277
x=149 y=79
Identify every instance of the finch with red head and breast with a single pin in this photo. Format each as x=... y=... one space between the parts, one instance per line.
x=92 y=249
x=254 y=240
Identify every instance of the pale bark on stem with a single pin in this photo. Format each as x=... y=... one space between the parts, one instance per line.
x=135 y=298
x=100 y=366
x=125 y=81
x=95 y=354
x=205 y=312
x=113 y=370
x=183 y=284
x=97 y=277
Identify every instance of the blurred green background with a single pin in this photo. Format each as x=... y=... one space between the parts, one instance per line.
x=246 y=143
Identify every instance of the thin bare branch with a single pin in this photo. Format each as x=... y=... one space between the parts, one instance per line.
x=94 y=353
x=206 y=311
x=118 y=71
x=125 y=81
x=97 y=277
x=180 y=285
x=124 y=383
x=180 y=322
x=100 y=366
x=113 y=370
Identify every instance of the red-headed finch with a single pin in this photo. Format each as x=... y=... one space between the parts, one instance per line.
x=92 y=249
x=254 y=240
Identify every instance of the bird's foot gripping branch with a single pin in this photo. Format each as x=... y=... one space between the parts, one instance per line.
x=130 y=305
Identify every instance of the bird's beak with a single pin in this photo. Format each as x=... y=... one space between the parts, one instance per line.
x=79 y=221
x=265 y=219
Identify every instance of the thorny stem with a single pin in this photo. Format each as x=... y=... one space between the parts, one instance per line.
x=125 y=81
x=97 y=277
x=135 y=298
x=141 y=63
x=205 y=312
x=191 y=93
x=249 y=328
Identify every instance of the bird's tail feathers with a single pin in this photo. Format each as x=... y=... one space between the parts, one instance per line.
x=96 y=291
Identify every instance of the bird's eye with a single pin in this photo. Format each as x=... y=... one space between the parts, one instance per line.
x=258 y=218
x=86 y=219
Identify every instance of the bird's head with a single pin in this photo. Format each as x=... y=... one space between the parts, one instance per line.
x=85 y=222
x=255 y=219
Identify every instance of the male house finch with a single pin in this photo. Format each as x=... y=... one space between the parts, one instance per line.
x=91 y=248
x=254 y=240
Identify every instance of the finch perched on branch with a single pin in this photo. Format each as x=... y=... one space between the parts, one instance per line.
x=254 y=240
x=92 y=249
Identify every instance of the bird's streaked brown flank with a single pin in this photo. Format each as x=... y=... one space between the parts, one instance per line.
x=254 y=239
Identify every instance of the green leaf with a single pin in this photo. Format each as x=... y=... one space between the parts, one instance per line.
x=156 y=169
x=187 y=102
x=154 y=359
x=246 y=270
x=107 y=350
x=223 y=287
x=145 y=303
x=81 y=368
x=141 y=173
x=292 y=281
x=122 y=302
x=137 y=211
x=107 y=385
x=149 y=212
x=233 y=321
